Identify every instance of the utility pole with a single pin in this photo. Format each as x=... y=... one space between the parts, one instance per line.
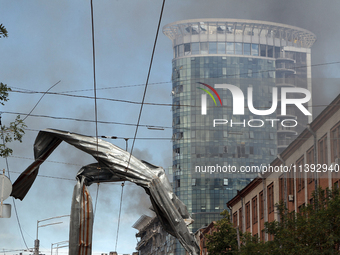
x=36 y=241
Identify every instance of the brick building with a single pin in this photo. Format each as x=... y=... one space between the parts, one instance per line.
x=295 y=179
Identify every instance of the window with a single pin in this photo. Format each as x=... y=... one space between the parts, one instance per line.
x=193 y=182
x=204 y=47
x=270 y=191
x=277 y=52
x=178 y=183
x=291 y=183
x=238 y=48
x=225 y=182
x=248 y=215
x=251 y=150
x=240 y=219
x=235 y=219
x=270 y=51
x=281 y=187
x=300 y=172
x=335 y=142
x=212 y=47
x=195 y=48
x=251 y=134
x=193 y=134
x=221 y=48
x=246 y=48
x=323 y=150
x=261 y=205
x=230 y=48
x=255 y=49
x=241 y=151
x=254 y=212
x=187 y=50
x=263 y=51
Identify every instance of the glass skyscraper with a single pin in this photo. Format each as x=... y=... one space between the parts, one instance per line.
x=211 y=142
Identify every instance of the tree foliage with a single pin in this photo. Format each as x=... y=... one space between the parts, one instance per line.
x=224 y=240
x=15 y=130
x=313 y=230
x=3 y=31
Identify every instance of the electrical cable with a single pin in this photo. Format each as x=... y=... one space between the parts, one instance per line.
x=40 y=100
x=95 y=94
x=84 y=120
x=139 y=116
x=147 y=81
x=9 y=176
x=137 y=85
x=120 y=211
x=89 y=97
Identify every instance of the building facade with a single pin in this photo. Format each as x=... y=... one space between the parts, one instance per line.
x=318 y=144
x=207 y=134
x=152 y=238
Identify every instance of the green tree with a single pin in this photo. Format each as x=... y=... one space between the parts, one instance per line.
x=15 y=130
x=224 y=240
x=314 y=230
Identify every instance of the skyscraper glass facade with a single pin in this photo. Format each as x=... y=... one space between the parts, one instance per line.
x=210 y=148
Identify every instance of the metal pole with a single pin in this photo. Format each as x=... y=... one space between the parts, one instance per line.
x=126 y=140
x=36 y=242
x=2 y=192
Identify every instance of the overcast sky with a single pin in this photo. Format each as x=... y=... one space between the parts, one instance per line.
x=50 y=41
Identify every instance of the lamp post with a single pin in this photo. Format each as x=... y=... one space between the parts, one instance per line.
x=37 y=242
x=59 y=245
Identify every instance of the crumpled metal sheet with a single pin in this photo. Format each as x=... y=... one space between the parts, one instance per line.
x=113 y=166
x=81 y=220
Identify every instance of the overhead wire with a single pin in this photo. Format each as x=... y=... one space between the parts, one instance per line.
x=140 y=114
x=95 y=94
x=166 y=82
x=86 y=120
x=9 y=176
x=40 y=100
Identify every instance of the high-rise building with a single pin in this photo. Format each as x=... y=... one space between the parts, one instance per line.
x=207 y=135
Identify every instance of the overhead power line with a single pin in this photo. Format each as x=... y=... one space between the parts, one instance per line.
x=166 y=82
x=140 y=113
x=9 y=176
x=85 y=120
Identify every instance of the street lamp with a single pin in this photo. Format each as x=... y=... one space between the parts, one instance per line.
x=36 y=242
x=59 y=245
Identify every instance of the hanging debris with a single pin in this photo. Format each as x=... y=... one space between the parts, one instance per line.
x=114 y=164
